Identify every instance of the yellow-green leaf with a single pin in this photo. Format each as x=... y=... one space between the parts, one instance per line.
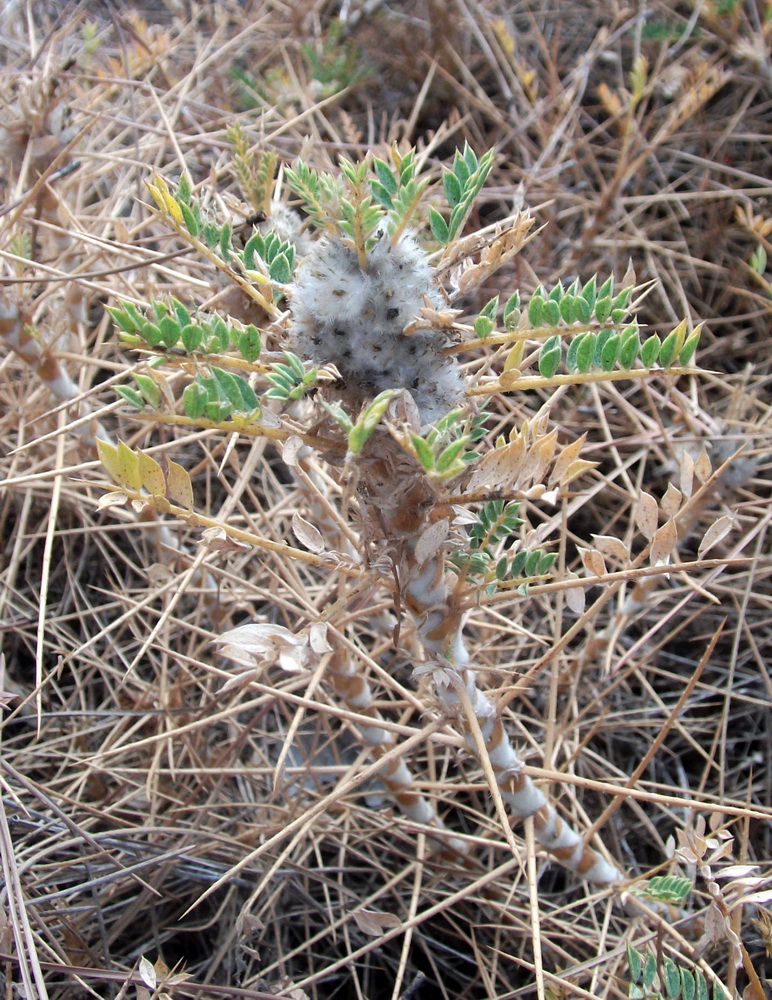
x=151 y=474
x=108 y=456
x=179 y=488
x=128 y=467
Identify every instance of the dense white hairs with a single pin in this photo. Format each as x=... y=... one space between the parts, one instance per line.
x=355 y=319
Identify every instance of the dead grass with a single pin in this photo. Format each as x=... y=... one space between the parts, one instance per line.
x=134 y=775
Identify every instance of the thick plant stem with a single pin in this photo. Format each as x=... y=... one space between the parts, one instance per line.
x=355 y=691
x=353 y=688
x=440 y=628
x=403 y=499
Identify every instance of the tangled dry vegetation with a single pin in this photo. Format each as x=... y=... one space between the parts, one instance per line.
x=174 y=827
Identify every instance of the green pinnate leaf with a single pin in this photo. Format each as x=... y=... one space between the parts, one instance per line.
x=649 y=971
x=280 y=269
x=491 y=308
x=603 y=309
x=254 y=245
x=228 y=385
x=182 y=314
x=191 y=337
x=650 y=351
x=512 y=312
x=549 y=356
x=183 y=189
x=671 y=977
x=423 y=452
x=385 y=175
x=453 y=188
x=249 y=343
x=170 y=331
x=589 y=293
x=518 y=563
x=225 y=242
x=634 y=963
x=606 y=289
x=573 y=351
x=123 y=320
x=191 y=222
x=689 y=348
x=131 y=396
x=582 y=309
x=631 y=345
x=483 y=326
x=149 y=388
x=151 y=333
x=536 y=310
x=668 y=350
x=439 y=226
x=211 y=234
x=532 y=563
x=449 y=460
x=194 y=400
x=608 y=356
x=551 y=312
x=568 y=308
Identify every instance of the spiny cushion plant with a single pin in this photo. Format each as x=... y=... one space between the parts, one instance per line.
x=372 y=299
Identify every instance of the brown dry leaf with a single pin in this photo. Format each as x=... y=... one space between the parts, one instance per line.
x=611 y=546
x=217 y=539
x=317 y=638
x=702 y=467
x=687 y=474
x=147 y=973
x=179 y=488
x=502 y=247
x=718 y=530
x=373 y=923
x=291 y=449
x=671 y=501
x=509 y=379
x=539 y=457
x=593 y=561
x=564 y=459
x=647 y=515
x=713 y=930
x=576 y=598
x=431 y=540
x=609 y=100
x=663 y=543
x=111 y=500
x=499 y=467
x=256 y=643
x=576 y=469
x=307 y=534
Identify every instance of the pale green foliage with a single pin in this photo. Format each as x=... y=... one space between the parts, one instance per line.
x=289 y=380
x=171 y=326
x=495 y=557
x=255 y=173
x=665 y=981
x=462 y=183
x=666 y=889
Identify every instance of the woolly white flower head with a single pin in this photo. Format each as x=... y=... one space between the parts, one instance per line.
x=355 y=319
